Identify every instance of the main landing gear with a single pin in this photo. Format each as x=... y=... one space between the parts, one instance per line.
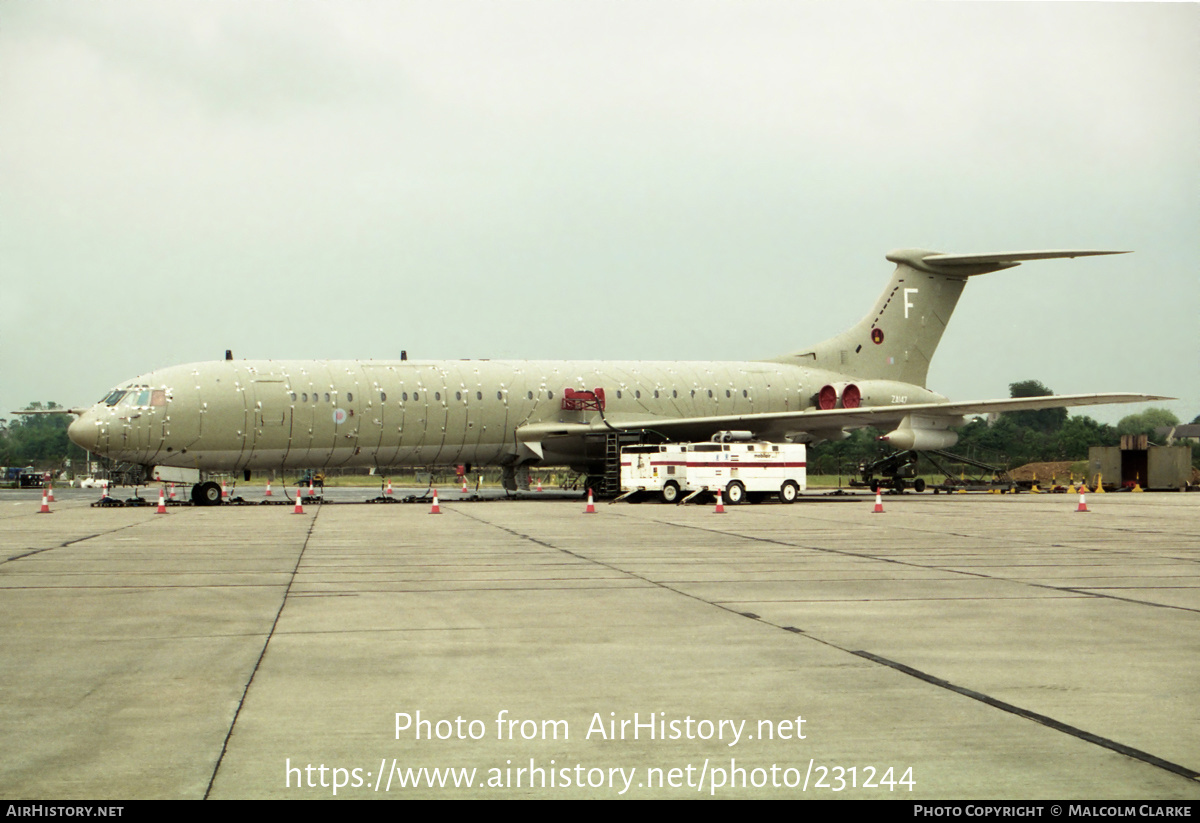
x=206 y=494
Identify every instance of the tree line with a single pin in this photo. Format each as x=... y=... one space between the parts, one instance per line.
x=37 y=440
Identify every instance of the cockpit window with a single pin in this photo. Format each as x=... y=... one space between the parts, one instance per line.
x=113 y=397
x=141 y=397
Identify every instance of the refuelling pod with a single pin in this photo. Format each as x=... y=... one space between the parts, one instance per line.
x=839 y=396
x=817 y=435
x=922 y=433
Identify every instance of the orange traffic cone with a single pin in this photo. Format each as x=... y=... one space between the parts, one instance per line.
x=720 y=509
x=1082 y=503
x=539 y=488
x=224 y=492
x=45 y=504
x=591 y=506
x=465 y=491
x=268 y=492
x=299 y=503
x=50 y=492
x=878 y=502
x=434 y=509
x=172 y=492
x=389 y=489
x=104 y=490
x=162 y=502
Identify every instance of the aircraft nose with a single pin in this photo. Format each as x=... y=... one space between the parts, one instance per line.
x=85 y=432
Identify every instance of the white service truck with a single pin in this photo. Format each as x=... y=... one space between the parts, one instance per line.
x=732 y=463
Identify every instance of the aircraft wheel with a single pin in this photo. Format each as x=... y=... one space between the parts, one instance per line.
x=670 y=492
x=919 y=485
x=788 y=492
x=900 y=485
x=206 y=494
x=874 y=485
x=735 y=493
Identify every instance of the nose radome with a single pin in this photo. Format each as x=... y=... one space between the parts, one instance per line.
x=84 y=432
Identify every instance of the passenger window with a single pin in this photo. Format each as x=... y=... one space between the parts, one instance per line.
x=349 y=397
x=383 y=397
x=478 y=395
x=326 y=397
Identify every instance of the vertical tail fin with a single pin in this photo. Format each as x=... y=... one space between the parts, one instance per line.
x=897 y=339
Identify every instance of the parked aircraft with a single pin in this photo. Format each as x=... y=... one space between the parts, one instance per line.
x=268 y=415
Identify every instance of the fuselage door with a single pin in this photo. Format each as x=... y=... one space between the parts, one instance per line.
x=270 y=418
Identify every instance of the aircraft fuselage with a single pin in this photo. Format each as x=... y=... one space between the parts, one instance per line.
x=262 y=415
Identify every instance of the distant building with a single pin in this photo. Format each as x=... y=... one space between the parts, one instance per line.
x=1184 y=433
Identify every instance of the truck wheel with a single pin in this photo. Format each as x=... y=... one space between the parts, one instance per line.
x=788 y=492
x=919 y=485
x=670 y=492
x=735 y=493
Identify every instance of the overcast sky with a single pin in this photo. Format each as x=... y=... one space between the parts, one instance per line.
x=599 y=180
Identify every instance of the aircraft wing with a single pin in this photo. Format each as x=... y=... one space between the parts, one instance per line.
x=816 y=421
x=50 y=411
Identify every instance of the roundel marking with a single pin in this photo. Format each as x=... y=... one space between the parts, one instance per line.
x=339 y=416
x=876 y=336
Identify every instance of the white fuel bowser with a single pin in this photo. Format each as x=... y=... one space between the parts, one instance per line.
x=657 y=469
x=732 y=463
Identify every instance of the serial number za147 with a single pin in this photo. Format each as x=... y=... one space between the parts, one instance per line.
x=838 y=778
